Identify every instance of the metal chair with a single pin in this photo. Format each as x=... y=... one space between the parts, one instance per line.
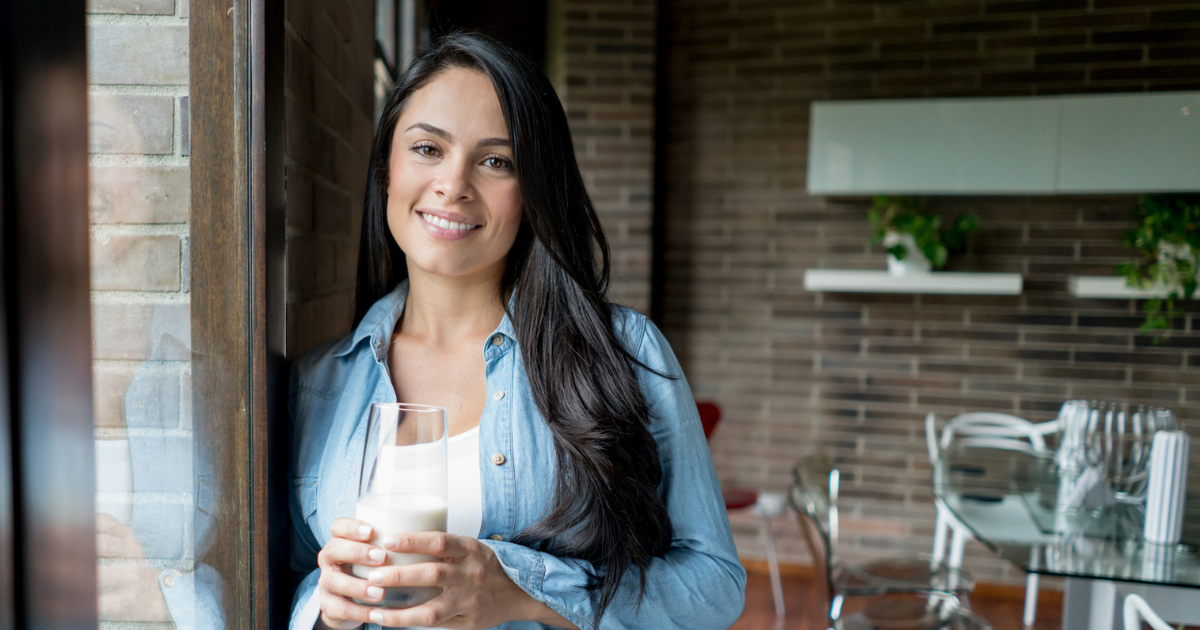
x=1137 y=611
x=991 y=430
x=814 y=495
x=765 y=505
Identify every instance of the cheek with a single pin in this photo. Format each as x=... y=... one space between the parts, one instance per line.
x=511 y=207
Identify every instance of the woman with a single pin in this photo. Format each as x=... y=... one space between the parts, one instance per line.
x=592 y=502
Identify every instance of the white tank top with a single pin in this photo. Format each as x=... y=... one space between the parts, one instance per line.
x=464 y=492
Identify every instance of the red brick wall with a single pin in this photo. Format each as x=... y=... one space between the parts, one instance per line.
x=600 y=54
x=329 y=49
x=855 y=374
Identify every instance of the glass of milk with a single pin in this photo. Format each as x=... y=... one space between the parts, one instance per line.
x=403 y=486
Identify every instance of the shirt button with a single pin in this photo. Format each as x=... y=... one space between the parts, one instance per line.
x=498 y=395
x=498 y=340
x=169 y=581
x=497 y=537
x=498 y=459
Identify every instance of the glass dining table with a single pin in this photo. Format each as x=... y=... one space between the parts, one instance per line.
x=1007 y=498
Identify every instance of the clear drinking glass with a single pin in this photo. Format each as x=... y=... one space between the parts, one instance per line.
x=403 y=486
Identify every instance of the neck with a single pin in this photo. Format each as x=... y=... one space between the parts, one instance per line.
x=445 y=311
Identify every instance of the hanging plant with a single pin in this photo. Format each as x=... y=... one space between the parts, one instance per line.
x=915 y=240
x=1169 y=243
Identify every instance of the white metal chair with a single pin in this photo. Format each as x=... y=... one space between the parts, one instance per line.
x=1137 y=611
x=982 y=429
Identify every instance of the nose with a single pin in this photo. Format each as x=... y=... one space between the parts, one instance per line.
x=453 y=182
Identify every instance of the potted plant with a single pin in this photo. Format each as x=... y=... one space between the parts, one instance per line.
x=916 y=242
x=1169 y=242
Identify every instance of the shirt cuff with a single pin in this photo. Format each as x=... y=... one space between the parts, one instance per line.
x=179 y=592
x=307 y=613
x=526 y=568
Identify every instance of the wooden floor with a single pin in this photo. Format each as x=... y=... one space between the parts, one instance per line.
x=805 y=604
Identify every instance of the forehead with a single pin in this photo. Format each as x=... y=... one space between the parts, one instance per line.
x=460 y=101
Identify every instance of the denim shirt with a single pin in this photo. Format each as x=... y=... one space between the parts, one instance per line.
x=699 y=583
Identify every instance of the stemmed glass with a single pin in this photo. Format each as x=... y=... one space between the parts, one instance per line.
x=403 y=486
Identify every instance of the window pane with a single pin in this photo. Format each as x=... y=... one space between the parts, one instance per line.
x=148 y=533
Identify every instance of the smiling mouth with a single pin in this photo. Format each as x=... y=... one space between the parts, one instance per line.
x=447 y=225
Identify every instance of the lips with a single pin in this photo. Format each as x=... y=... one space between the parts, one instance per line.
x=446 y=226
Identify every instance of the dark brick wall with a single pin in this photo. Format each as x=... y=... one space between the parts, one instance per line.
x=855 y=374
x=329 y=49
x=600 y=55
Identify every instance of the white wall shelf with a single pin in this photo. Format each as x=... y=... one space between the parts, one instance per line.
x=1110 y=287
x=937 y=282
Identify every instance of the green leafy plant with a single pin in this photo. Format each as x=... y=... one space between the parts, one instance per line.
x=1169 y=242
x=904 y=215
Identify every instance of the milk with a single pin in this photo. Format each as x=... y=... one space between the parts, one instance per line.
x=400 y=513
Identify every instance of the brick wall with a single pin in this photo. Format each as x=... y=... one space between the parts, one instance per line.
x=855 y=374
x=139 y=206
x=600 y=55
x=329 y=52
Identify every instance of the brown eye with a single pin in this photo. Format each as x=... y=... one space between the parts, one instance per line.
x=497 y=162
x=425 y=150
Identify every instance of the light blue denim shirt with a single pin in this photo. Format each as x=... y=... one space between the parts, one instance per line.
x=698 y=584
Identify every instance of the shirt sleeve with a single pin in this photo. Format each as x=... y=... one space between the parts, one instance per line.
x=306 y=607
x=193 y=603
x=699 y=583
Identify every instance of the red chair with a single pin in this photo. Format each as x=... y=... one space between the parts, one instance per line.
x=764 y=504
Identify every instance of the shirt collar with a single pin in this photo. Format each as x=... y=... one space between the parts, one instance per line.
x=380 y=320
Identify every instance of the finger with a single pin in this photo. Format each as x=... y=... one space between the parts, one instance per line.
x=342 y=551
x=426 y=615
x=437 y=544
x=339 y=608
x=419 y=574
x=108 y=524
x=343 y=585
x=117 y=547
x=352 y=529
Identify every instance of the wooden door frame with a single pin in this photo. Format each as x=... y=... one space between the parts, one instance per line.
x=238 y=300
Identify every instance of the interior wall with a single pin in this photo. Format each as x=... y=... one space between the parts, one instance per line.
x=329 y=54
x=855 y=374
x=600 y=55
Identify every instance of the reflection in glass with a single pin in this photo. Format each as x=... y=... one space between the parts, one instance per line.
x=153 y=508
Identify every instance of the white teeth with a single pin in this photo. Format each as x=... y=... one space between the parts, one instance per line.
x=447 y=225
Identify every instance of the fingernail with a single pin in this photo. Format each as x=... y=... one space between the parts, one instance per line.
x=375 y=576
x=376 y=616
x=374 y=592
x=390 y=542
x=378 y=555
x=364 y=530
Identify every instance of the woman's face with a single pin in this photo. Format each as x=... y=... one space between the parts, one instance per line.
x=453 y=204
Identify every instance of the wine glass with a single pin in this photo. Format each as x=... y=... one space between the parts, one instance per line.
x=403 y=486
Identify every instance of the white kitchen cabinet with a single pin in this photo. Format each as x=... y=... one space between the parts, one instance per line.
x=1110 y=143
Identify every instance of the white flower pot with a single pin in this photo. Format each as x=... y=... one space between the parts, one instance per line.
x=914 y=261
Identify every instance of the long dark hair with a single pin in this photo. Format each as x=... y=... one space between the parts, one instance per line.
x=606 y=508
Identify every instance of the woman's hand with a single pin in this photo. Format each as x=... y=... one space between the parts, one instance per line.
x=477 y=593
x=337 y=585
x=127 y=591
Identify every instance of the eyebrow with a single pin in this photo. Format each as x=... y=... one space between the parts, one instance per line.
x=445 y=135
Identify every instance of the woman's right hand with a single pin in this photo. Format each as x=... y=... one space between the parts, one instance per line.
x=337 y=585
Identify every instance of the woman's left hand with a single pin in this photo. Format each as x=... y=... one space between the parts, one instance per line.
x=477 y=592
